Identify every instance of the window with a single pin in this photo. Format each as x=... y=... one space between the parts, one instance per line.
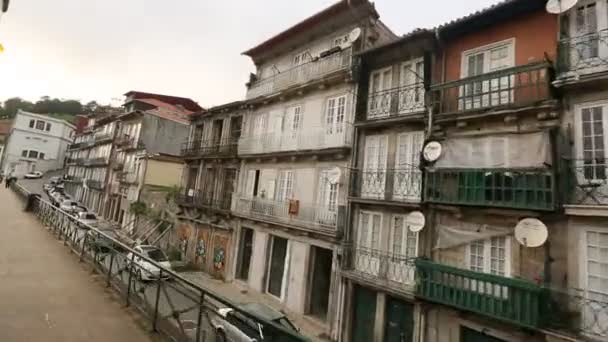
x=593 y=142
x=24 y=153
x=370 y=224
x=41 y=155
x=490 y=256
x=402 y=250
x=586 y=25
x=328 y=191
x=285 y=188
x=32 y=122
x=379 y=102
x=40 y=125
x=33 y=154
x=334 y=119
x=301 y=58
x=374 y=166
x=48 y=127
x=338 y=41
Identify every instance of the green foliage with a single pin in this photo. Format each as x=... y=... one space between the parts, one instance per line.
x=138 y=208
x=173 y=192
x=66 y=109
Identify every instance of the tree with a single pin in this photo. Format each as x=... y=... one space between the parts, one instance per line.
x=12 y=105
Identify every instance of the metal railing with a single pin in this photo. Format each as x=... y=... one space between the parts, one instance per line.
x=101 y=137
x=381 y=267
x=301 y=74
x=312 y=216
x=586 y=181
x=212 y=148
x=507 y=188
x=510 y=300
x=202 y=199
x=309 y=139
x=95 y=184
x=99 y=161
x=585 y=53
x=512 y=87
x=117 y=165
x=396 y=102
x=123 y=139
x=174 y=306
x=400 y=185
x=76 y=145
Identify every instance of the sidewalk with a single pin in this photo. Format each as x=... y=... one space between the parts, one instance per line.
x=242 y=295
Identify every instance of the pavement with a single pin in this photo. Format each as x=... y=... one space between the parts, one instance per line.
x=47 y=295
x=239 y=294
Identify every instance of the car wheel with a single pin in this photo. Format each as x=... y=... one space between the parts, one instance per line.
x=220 y=336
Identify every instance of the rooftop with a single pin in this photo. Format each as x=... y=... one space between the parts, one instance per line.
x=187 y=103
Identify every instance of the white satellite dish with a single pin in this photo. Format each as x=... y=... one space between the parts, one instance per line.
x=354 y=35
x=560 y=6
x=190 y=192
x=333 y=175
x=432 y=151
x=415 y=221
x=531 y=232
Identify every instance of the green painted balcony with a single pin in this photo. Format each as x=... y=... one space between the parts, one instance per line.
x=532 y=189
x=510 y=300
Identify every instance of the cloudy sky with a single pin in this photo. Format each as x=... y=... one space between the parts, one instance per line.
x=97 y=50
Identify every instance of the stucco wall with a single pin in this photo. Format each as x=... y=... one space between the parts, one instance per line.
x=163 y=136
x=163 y=173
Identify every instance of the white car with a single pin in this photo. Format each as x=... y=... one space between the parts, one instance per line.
x=146 y=270
x=87 y=218
x=33 y=175
x=68 y=205
x=231 y=325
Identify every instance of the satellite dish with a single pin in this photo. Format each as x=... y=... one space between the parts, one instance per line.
x=432 y=151
x=415 y=221
x=531 y=232
x=333 y=175
x=354 y=35
x=560 y=6
x=190 y=192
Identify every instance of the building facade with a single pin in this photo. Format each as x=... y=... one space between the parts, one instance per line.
x=36 y=143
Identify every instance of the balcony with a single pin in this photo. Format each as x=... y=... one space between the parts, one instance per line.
x=308 y=139
x=75 y=161
x=510 y=300
x=208 y=148
x=75 y=146
x=103 y=137
x=317 y=218
x=302 y=74
x=532 y=189
x=394 y=185
x=583 y=55
x=100 y=161
x=520 y=86
x=396 y=102
x=384 y=269
x=209 y=200
x=587 y=182
x=117 y=165
x=95 y=184
x=123 y=139
x=73 y=180
x=129 y=177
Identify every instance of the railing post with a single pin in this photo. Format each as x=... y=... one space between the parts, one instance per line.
x=160 y=280
x=130 y=277
x=199 y=321
x=109 y=276
x=84 y=243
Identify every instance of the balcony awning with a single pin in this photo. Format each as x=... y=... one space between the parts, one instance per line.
x=511 y=150
x=450 y=236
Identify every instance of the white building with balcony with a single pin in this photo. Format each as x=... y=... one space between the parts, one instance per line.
x=36 y=143
x=295 y=150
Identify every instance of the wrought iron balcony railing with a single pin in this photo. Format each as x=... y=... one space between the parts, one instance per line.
x=292 y=212
x=118 y=165
x=380 y=267
x=75 y=161
x=587 y=181
x=507 y=188
x=301 y=74
x=74 y=179
x=587 y=53
x=519 y=86
x=202 y=199
x=510 y=300
x=76 y=145
x=396 y=102
x=103 y=137
x=210 y=148
x=399 y=185
x=100 y=161
x=309 y=139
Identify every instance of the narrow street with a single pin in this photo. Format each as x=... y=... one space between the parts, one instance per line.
x=47 y=295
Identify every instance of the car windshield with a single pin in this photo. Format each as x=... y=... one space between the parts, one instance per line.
x=155 y=254
x=89 y=217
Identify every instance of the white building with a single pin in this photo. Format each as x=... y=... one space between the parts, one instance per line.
x=36 y=143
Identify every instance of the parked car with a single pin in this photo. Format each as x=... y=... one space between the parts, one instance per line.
x=55 y=180
x=47 y=187
x=34 y=175
x=68 y=205
x=146 y=270
x=231 y=325
x=88 y=218
x=100 y=243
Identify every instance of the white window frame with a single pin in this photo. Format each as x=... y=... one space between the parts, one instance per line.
x=286 y=179
x=338 y=120
x=418 y=79
x=380 y=105
x=487 y=255
x=301 y=57
x=404 y=237
x=340 y=39
x=588 y=317
x=464 y=60
x=369 y=243
x=578 y=134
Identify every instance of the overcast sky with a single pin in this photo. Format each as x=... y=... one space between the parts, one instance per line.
x=99 y=49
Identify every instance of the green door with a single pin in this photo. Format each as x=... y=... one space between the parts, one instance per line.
x=364 y=315
x=470 y=335
x=399 y=321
